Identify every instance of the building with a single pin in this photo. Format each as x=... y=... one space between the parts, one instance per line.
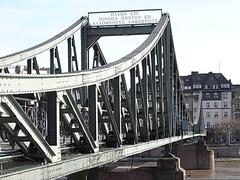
x=236 y=102
x=21 y=69
x=209 y=94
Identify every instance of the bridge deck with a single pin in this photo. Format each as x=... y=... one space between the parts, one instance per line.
x=75 y=163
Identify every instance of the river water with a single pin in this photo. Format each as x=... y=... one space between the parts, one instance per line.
x=224 y=169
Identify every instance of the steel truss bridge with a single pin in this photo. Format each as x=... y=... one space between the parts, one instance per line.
x=94 y=112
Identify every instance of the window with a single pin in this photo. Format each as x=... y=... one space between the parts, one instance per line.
x=237 y=106
x=215 y=86
x=207 y=95
x=208 y=124
x=216 y=114
x=207 y=87
x=225 y=114
x=195 y=98
x=225 y=104
x=225 y=85
x=208 y=115
x=225 y=95
x=141 y=124
x=187 y=87
x=208 y=104
x=197 y=86
x=215 y=105
x=215 y=95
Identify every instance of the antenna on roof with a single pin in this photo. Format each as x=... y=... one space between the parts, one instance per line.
x=219 y=66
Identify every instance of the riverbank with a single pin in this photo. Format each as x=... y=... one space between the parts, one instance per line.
x=227 y=160
x=226 y=150
x=225 y=168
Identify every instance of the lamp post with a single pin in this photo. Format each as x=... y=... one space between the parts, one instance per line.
x=229 y=133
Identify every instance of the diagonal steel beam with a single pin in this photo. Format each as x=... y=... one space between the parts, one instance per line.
x=86 y=133
x=10 y=131
x=74 y=57
x=35 y=65
x=117 y=103
x=98 y=49
x=145 y=122
x=133 y=97
x=15 y=110
x=129 y=108
x=110 y=113
x=67 y=121
x=145 y=90
x=58 y=60
x=153 y=94
x=160 y=86
x=153 y=73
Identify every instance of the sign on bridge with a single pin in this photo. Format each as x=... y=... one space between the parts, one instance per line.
x=133 y=17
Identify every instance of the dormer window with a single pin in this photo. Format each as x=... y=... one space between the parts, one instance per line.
x=207 y=87
x=225 y=85
x=187 y=87
x=197 y=86
x=215 y=86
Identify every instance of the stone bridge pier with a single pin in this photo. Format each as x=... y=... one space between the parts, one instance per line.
x=195 y=155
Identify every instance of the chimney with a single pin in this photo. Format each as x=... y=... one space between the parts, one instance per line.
x=194 y=72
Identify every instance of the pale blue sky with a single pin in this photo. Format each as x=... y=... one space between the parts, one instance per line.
x=205 y=32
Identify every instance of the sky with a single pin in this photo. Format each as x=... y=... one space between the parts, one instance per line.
x=206 y=33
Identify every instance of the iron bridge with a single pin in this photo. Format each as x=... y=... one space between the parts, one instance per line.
x=85 y=112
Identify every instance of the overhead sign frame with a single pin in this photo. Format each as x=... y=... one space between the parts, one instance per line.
x=126 y=17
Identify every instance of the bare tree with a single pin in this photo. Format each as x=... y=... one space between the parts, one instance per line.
x=226 y=130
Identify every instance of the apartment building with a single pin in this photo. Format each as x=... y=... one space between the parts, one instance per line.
x=210 y=91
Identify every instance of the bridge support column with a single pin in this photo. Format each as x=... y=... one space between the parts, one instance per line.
x=169 y=169
x=195 y=156
x=53 y=123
